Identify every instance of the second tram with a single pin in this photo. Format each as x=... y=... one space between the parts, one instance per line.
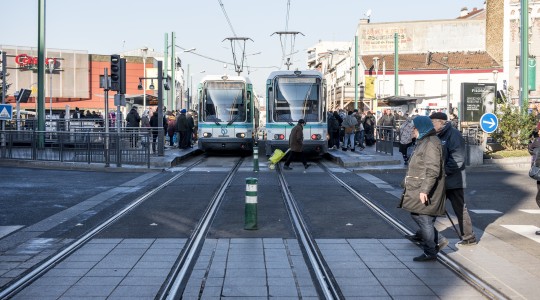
x=228 y=113
x=291 y=96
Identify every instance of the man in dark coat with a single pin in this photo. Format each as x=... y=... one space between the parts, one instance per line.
x=182 y=126
x=454 y=166
x=154 y=123
x=424 y=193
x=296 y=144
x=132 y=120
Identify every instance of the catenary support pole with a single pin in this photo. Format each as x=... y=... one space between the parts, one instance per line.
x=396 y=65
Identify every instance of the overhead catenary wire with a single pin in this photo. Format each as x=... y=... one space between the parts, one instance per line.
x=238 y=67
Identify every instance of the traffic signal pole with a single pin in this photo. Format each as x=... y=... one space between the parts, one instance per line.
x=41 y=72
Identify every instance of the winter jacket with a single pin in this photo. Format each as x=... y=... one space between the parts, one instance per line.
x=406 y=132
x=333 y=124
x=425 y=175
x=296 y=138
x=154 y=122
x=349 y=122
x=133 y=118
x=454 y=156
x=182 y=123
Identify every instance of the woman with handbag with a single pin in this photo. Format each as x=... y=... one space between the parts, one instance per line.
x=534 y=151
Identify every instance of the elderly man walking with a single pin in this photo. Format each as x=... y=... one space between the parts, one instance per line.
x=454 y=166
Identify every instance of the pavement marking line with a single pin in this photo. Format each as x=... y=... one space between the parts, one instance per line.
x=485 y=211
x=531 y=211
x=5 y=230
x=527 y=231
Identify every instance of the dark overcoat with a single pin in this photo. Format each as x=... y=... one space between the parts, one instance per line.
x=425 y=175
x=296 y=138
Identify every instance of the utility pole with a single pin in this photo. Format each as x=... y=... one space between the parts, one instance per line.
x=524 y=54
x=396 y=65
x=173 y=71
x=41 y=72
x=356 y=72
x=165 y=69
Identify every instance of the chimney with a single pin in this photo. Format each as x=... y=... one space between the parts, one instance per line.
x=464 y=12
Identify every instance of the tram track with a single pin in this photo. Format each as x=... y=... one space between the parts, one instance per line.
x=474 y=280
x=13 y=288
x=175 y=283
x=324 y=278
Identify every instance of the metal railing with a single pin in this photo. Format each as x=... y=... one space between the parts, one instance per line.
x=91 y=145
x=385 y=136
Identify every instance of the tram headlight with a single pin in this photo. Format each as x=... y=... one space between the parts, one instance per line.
x=241 y=135
x=207 y=134
x=279 y=136
x=315 y=137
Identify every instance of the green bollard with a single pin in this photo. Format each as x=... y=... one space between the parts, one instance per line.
x=256 y=159
x=250 y=213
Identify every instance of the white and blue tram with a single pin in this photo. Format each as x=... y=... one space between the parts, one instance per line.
x=291 y=96
x=228 y=113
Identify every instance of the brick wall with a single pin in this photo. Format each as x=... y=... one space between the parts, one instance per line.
x=494 y=29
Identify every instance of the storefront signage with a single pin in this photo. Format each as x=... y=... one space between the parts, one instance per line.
x=28 y=62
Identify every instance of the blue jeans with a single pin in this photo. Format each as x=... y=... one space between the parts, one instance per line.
x=430 y=235
x=359 y=137
x=349 y=137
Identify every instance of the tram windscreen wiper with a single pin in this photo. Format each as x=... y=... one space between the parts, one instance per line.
x=217 y=123
x=232 y=121
x=290 y=123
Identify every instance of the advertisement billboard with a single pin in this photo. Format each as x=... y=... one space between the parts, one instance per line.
x=476 y=100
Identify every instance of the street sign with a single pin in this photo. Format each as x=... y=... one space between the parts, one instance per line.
x=6 y=112
x=489 y=122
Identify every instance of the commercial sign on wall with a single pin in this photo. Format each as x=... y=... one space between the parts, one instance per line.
x=476 y=100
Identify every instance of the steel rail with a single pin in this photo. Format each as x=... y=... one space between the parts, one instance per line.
x=174 y=286
x=324 y=277
x=483 y=287
x=24 y=281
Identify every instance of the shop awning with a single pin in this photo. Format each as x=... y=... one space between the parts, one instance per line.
x=138 y=99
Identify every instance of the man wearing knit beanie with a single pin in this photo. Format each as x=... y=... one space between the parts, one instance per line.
x=424 y=194
x=454 y=166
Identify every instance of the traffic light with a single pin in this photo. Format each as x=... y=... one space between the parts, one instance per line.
x=122 y=89
x=115 y=72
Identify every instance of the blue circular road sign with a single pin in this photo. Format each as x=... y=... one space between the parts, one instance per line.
x=489 y=122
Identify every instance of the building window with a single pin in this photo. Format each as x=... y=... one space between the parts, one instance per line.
x=419 y=88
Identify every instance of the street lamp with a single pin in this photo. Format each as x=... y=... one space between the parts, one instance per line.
x=429 y=60
x=144 y=54
x=160 y=81
x=376 y=67
x=51 y=68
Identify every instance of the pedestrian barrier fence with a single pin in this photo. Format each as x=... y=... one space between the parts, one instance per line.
x=385 y=137
x=126 y=146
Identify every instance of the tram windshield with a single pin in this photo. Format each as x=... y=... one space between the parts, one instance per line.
x=224 y=102
x=297 y=98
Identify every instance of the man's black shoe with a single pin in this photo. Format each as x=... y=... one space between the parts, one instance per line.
x=287 y=168
x=415 y=238
x=425 y=257
x=307 y=166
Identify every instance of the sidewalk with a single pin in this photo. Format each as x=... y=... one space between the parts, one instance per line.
x=371 y=160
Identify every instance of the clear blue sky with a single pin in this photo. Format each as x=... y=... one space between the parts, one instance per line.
x=112 y=26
